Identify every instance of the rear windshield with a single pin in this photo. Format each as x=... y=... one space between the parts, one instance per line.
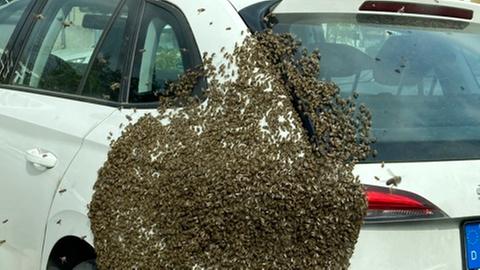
x=419 y=78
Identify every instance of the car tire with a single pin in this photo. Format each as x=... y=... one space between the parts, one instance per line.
x=86 y=265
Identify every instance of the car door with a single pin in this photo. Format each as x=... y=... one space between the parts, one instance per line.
x=44 y=117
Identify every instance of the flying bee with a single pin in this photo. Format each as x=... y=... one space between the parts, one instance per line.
x=67 y=23
x=200 y=10
x=63 y=190
x=59 y=221
x=394 y=181
x=5 y=221
x=228 y=28
x=2 y=242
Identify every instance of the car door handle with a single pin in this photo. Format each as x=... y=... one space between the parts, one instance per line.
x=41 y=158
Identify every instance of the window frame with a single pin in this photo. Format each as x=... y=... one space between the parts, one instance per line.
x=17 y=43
x=187 y=36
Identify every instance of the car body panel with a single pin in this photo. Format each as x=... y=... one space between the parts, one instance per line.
x=82 y=174
x=29 y=121
x=431 y=245
x=452 y=186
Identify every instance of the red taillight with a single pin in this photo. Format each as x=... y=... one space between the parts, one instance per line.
x=415 y=8
x=386 y=205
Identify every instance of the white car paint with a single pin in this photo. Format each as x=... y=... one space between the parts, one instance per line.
x=71 y=206
x=30 y=121
x=450 y=185
x=76 y=133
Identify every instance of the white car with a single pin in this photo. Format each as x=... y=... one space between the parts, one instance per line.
x=415 y=64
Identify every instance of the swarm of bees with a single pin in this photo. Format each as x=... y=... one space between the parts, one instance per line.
x=234 y=181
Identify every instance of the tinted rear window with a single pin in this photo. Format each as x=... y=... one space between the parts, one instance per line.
x=419 y=78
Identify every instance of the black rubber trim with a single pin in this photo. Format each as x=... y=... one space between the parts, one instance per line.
x=254 y=15
x=128 y=64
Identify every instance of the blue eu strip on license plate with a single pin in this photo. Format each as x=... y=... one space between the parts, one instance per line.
x=472 y=245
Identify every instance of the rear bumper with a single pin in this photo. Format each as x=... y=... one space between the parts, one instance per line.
x=430 y=245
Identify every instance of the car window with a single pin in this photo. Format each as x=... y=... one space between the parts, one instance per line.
x=10 y=14
x=419 y=78
x=61 y=44
x=164 y=52
x=105 y=76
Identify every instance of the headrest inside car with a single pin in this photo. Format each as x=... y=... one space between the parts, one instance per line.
x=99 y=22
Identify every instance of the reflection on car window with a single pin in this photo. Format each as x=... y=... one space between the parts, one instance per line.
x=62 y=42
x=160 y=59
x=105 y=77
x=10 y=14
x=419 y=79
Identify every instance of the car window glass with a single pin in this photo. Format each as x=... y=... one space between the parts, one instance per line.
x=163 y=54
x=105 y=77
x=10 y=14
x=419 y=79
x=61 y=44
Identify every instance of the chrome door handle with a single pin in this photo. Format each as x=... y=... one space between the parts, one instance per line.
x=41 y=158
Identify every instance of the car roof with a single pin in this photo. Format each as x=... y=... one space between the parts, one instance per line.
x=352 y=6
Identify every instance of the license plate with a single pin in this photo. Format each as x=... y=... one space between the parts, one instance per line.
x=471 y=233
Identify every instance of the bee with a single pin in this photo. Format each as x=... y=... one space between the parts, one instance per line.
x=129 y=118
x=67 y=23
x=383 y=164
x=211 y=23
x=228 y=28
x=115 y=86
x=39 y=17
x=63 y=190
x=200 y=10
x=142 y=50
x=5 y=221
x=83 y=237
x=2 y=242
x=59 y=221
x=394 y=181
x=63 y=259
x=376 y=178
